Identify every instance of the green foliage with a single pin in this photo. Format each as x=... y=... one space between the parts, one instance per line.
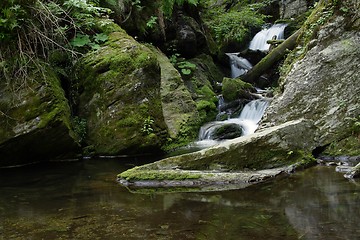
x=31 y=29
x=85 y=40
x=186 y=68
x=83 y=12
x=147 y=127
x=80 y=127
x=152 y=22
x=234 y=26
x=12 y=16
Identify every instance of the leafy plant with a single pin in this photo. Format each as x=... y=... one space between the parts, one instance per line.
x=31 y=29
x=152 y=22
x=185 y=67
x=147 y=127
x=235 y=25
x=80 y=127
x=94 y=41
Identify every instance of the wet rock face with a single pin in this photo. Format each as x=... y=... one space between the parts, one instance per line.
x=35 y=122
x=179 y=109
x=227 y=131
x=323 y=86
x=187 y=41
x=292 y=8
x=121 y=97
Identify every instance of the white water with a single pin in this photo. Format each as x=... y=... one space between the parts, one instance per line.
x=248 y=120
x=239 y=65
x=259 y=40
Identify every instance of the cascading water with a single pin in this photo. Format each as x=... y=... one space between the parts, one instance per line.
x=248 y=120
x=259 y=42
x=239 y=65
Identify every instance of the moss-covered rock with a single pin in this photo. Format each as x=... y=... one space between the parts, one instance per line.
x=233 y=89
x=202 y=85
x=120 y=97
x=179 y=109
x=227 y=131
x=35 y=122
x=273 y=147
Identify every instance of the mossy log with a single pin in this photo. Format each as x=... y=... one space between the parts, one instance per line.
x=269 y=60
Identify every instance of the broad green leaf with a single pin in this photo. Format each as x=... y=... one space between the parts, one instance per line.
x=101 y=37
x=186 y=71
x=80 y=40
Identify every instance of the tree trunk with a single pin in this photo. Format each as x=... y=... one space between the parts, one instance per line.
x=269 y=60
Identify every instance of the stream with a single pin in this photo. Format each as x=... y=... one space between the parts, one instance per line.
x=82 y=200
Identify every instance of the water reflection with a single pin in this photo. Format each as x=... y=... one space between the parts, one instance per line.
x=83 y=201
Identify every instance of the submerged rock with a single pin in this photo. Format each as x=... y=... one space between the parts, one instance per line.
x=354 y=172
x=35 y=123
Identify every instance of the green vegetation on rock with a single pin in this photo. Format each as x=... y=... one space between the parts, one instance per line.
x=121 y=98
x=135 y=175
x=233 y=89
x=235 y=25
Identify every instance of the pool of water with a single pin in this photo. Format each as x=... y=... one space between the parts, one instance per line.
x=82 y=200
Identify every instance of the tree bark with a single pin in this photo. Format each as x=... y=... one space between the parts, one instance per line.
x=269 y=60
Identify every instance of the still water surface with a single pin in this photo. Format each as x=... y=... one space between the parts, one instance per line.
x=82 y=200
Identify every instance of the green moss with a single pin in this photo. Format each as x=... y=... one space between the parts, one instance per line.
x=349 y=146
x=135 y=174
x=60 y=111
x=121 y=83
x=107 y=26
x=233 y=89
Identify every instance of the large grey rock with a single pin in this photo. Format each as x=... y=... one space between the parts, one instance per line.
x=273 y=147
x=292 y=8
x=324 y=86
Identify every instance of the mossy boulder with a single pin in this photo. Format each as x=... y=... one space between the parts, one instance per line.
x=233 y=89
x=227 y=131
x=120 y=97
x=202 y=86
x=35 y=121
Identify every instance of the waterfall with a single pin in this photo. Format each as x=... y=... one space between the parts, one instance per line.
x=221 y=102
x=259 y=40
x=239 y=65
x=251 y=115
x=248 y=120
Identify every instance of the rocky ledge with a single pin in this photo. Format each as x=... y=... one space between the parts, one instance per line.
x=231 y=164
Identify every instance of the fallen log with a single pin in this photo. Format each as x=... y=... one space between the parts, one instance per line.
x=269 y=60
